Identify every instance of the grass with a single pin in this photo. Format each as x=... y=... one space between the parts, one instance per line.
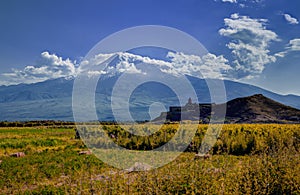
x=247 y=159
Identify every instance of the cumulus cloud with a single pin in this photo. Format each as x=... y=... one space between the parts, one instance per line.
x=207 y=66
x=249 y=44
x=49 y=66
x=290 y=19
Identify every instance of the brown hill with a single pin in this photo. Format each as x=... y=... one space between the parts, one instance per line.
x=260 y=109
x=252 y=109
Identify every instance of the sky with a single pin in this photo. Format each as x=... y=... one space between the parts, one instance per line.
x=256 y=41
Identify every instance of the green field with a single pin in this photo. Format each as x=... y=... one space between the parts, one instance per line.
x=246 y=159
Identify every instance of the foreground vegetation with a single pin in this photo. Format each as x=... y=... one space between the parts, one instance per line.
x=246 y=159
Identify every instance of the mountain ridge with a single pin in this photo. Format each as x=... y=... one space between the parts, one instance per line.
x=52 y=99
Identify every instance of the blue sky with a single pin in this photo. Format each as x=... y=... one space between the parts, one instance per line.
x=37 y=33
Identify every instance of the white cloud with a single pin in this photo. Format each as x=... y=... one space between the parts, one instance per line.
x=294 y=45
x=235 y=16
x=230 y=1
x=132 y=57
x=281 y=54
x=249 y=44
x=125 y=66
x=290 y=19
x=209 y=65
x=242 y=5
x=122 y=62
x=50 y=66
x=96 y=73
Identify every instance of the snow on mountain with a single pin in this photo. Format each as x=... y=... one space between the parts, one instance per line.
x=52 y=99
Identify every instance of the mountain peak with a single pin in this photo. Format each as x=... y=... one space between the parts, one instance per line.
x=258 y=96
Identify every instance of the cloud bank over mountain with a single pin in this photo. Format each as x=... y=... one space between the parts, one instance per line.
x=52 y=66
x=248 y=39
x=207 y=66
x=49 y=66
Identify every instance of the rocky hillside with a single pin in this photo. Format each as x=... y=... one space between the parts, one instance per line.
x=260 y=109
x=252 y=109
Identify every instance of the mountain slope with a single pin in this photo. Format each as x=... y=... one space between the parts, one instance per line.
x=52 y=99
x=260 y=109
x=50 y=89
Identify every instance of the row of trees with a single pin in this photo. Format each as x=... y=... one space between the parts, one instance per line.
x=35 y=123
x=233 y=139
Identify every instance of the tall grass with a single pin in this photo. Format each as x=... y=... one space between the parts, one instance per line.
x=247 y=159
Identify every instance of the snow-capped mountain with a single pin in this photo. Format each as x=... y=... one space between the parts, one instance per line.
x=52 y=99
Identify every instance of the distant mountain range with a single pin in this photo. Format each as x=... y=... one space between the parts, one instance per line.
x=252 y=109
x=52 y=99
